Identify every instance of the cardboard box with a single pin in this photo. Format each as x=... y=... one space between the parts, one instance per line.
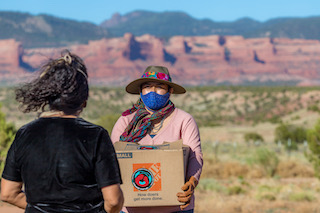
x=152 y=174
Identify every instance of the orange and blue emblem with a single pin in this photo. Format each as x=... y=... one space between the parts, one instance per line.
x=142 y=179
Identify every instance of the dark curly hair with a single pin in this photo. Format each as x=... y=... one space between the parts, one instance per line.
x=62 y=84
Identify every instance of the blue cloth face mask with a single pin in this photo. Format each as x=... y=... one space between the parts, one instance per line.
x=154 y=101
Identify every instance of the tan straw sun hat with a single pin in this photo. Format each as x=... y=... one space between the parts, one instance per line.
x=154 y=74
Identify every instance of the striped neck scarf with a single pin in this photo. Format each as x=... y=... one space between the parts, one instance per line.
x=142 y=120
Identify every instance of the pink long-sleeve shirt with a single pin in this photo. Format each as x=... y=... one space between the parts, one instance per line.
x=181 y=126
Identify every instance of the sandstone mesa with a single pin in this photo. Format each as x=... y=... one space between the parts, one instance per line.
x=196 y=60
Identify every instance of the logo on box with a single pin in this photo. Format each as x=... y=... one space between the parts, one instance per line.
x=147 y=147
x=124 y=155
x=146 y=177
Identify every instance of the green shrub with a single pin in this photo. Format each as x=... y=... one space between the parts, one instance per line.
x=269 y=189
x=7 y=134
x=301 y=196
x=266 y=192
x=275 y=119
x=313 y=138
x=252 y=136
x=235 y=190
x=268 y=160
x=209 y=184
x=108 y=121
x=290 y=135
x=266 y=196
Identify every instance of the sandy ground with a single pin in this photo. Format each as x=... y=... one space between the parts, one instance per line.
x=7 y=208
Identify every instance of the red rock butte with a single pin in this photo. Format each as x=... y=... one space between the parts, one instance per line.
x=196 y=60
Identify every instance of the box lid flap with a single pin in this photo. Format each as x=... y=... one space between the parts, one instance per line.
x=121 y=146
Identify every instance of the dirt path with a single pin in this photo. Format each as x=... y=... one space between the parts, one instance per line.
x=6 y=208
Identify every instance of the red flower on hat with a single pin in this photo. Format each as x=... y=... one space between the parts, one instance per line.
x=162 y=76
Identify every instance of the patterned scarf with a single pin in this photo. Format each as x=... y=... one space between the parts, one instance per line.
x=141 y=122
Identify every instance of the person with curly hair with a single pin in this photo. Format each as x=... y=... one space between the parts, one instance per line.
x=62 y=162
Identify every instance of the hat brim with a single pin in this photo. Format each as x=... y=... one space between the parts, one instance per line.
x=134 y=86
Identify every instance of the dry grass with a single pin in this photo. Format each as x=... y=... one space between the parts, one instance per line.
x=236 y=132
x=230 y=184
x=298 y=195
x=229 y=169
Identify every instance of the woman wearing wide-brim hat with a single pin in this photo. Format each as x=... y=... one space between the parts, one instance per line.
x=153 y=120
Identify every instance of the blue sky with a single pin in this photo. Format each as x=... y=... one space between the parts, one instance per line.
x=97 y=11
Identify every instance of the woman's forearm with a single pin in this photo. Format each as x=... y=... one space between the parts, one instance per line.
x=113 y=198
x=11 y=193
x=19 y=200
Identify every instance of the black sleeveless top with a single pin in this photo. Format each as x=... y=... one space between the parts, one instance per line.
x=63 y=163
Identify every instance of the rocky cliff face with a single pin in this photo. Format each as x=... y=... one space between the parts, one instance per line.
x=191 y=60
x=10 y=53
